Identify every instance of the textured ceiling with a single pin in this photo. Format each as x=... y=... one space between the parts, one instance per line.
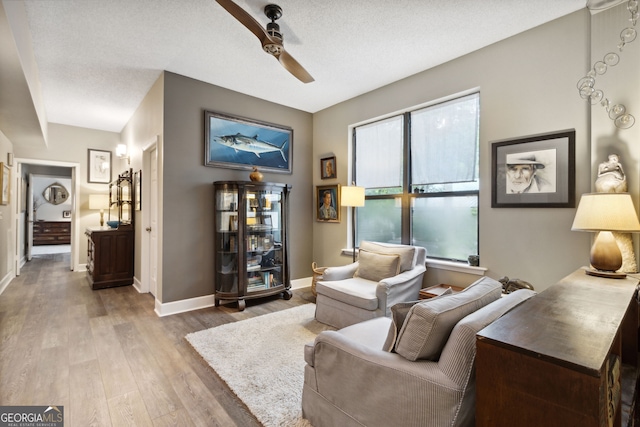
x=98 y=59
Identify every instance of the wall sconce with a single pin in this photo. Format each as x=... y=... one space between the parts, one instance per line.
x=604 y=213
x=353 y=197
x=101 y=202
x=121 y=151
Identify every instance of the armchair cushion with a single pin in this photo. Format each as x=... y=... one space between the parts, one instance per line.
x=375 y=266
x=355 y=292
x=429 y=324
x=407 y=254
x=399 y=313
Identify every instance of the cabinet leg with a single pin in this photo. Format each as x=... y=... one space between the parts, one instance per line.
x=287 y=294
x=241 y=305
x=216 y=302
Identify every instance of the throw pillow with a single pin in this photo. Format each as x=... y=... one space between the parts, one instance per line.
x=406 y=253
x=374 y=266
x=428 y=325
x=399 y=312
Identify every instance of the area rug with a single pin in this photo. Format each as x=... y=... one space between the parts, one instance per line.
x=262 y=360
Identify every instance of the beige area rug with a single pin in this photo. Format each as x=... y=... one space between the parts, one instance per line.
x=262 y=360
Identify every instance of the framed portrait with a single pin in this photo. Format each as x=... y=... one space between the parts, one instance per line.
x=534 y=171
x=241 y=143
x=66 y=214
x=328 y=167
x=5 y=184
x=99 y=166
x=328 y=203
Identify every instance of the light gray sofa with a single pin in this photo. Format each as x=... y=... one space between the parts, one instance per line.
x=384 y=275
x=427 y=380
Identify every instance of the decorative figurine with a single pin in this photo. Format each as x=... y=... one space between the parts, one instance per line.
x=611 y=179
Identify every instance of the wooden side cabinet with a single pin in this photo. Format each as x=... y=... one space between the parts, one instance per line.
x=109 y=257
x=51 y=233
x=562 y=358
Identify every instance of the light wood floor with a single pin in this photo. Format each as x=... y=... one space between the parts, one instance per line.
x=107 y=357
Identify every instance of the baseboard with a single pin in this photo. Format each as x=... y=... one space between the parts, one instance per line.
x=138 y=285
x=82 y=267
x=175 y=307
x=304 y=282
x=6 y=280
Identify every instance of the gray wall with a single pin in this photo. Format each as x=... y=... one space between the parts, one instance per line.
x=187 y=205
x=527 y=86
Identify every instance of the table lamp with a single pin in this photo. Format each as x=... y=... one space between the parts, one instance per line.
x=352 y=196
x=99 y=201
x=604 y=213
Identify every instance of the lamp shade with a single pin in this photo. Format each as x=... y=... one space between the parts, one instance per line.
x=606 y=212
x=352 y=196
x=98 y=201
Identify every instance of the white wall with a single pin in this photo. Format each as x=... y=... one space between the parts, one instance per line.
x=47 y=211
x=71 y=144
x=527 y=86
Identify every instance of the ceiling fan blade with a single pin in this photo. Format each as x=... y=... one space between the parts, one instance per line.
x=294 y=67
x=245 y=19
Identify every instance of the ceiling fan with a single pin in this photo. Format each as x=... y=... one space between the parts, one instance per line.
x=271 y=38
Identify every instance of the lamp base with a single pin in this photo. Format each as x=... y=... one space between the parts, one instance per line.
x=607 y=274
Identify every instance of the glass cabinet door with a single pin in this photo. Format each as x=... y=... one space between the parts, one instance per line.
x=264 y=250
x=228 y=243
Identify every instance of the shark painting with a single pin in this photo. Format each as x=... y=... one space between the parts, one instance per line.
x=241 y=143
x=250 y=144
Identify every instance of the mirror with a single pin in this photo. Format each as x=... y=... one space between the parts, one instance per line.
x=55 y=194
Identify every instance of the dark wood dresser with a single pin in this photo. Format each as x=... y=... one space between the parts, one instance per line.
x=562 y=357
x=109 y=257
x=51 y=233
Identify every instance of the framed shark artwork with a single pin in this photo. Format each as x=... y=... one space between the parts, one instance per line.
x=241 y=143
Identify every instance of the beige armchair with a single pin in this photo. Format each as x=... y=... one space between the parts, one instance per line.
x=428 y=379
x=384 y=275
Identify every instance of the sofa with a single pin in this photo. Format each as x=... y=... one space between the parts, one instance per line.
x=416 y=368
x=383 y=275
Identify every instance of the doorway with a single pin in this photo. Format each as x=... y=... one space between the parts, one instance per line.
x=25 y=214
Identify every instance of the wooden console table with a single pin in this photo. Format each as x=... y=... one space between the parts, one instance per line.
x=557 y=359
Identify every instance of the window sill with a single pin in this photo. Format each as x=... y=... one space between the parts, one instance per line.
x=455 y=266
x=439 y=264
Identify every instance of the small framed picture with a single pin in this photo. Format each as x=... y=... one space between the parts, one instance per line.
x=99 y=166
x=534 y=171
x=66 y=214
x=328 y=203
x=5 y=181
x=328 y=167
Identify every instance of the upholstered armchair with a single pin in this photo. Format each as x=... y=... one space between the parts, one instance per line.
x=385 y=274
x=417 y=369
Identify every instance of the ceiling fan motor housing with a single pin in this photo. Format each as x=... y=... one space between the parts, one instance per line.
x=273 y=12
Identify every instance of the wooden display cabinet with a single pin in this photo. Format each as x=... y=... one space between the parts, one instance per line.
x=110 y=251
x=250 y=238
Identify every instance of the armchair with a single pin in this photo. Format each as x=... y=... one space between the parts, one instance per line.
x=350 y=380
x=384 y=275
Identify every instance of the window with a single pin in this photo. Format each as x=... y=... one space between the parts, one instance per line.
x=420 y=174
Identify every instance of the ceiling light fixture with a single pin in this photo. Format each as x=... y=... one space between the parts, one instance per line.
x=617 y=112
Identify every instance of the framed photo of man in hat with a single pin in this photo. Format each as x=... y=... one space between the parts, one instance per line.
x=534 y=171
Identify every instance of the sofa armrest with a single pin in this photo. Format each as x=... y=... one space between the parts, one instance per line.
x=340 y=273
x=345 y=369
